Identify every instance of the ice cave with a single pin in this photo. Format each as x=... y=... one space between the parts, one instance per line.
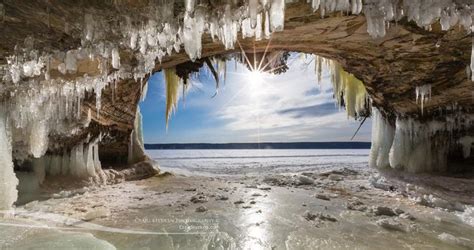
x=73 y=73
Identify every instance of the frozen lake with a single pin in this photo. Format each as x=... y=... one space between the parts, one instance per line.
x=248 y=162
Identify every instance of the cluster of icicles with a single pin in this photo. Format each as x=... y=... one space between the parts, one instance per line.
x=40 y=99
x=418 y=147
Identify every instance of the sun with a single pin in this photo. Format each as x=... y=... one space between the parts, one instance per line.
x=255 y=77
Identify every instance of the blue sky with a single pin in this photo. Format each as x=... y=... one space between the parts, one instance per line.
x=289 y=107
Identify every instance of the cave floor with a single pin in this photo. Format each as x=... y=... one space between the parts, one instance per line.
x=338 y=209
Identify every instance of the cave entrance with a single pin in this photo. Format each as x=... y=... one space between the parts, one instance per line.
x=291 y=104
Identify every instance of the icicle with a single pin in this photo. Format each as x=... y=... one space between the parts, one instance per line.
x=115 y=59
x=71 y=62
x=472 y=60
x=88 y=27
x=97 y=164
x=424 y=94
x=315 y=4
x=277 y=15
x=2 y=12
x=467 y=144
x=172 y=82
x=136 y=149
x=55 y=167
x=253 y=11
x=347 y=89
x=266 y=30
x=190 y=6
x=38 y=138
x=89 y=159
x=39 y=168
x=144 y=90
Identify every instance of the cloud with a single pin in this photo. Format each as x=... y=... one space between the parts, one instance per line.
x=286 y=107
x=308 y=111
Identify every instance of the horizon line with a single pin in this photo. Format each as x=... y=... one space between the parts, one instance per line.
x=270 y=142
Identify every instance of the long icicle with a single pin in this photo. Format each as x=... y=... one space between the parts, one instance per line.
x=172 y=83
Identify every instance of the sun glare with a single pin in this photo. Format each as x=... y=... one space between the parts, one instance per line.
x=255 y=77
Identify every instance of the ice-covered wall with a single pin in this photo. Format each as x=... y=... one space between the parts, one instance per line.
x=415 y=146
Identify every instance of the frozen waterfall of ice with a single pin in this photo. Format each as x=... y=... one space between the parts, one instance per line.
x=413 y=146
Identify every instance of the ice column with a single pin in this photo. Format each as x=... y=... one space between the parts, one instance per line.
x=382 y=138
x=136 y=149
x=8 y=180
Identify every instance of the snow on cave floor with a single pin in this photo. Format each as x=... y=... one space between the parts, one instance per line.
x=267 y=211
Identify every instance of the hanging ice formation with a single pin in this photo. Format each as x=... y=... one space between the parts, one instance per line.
x=418 y=147
x=423 y=94
x=82 y=162
x=348 y=90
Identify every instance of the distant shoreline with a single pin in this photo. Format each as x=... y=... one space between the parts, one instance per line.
x=263 y=145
